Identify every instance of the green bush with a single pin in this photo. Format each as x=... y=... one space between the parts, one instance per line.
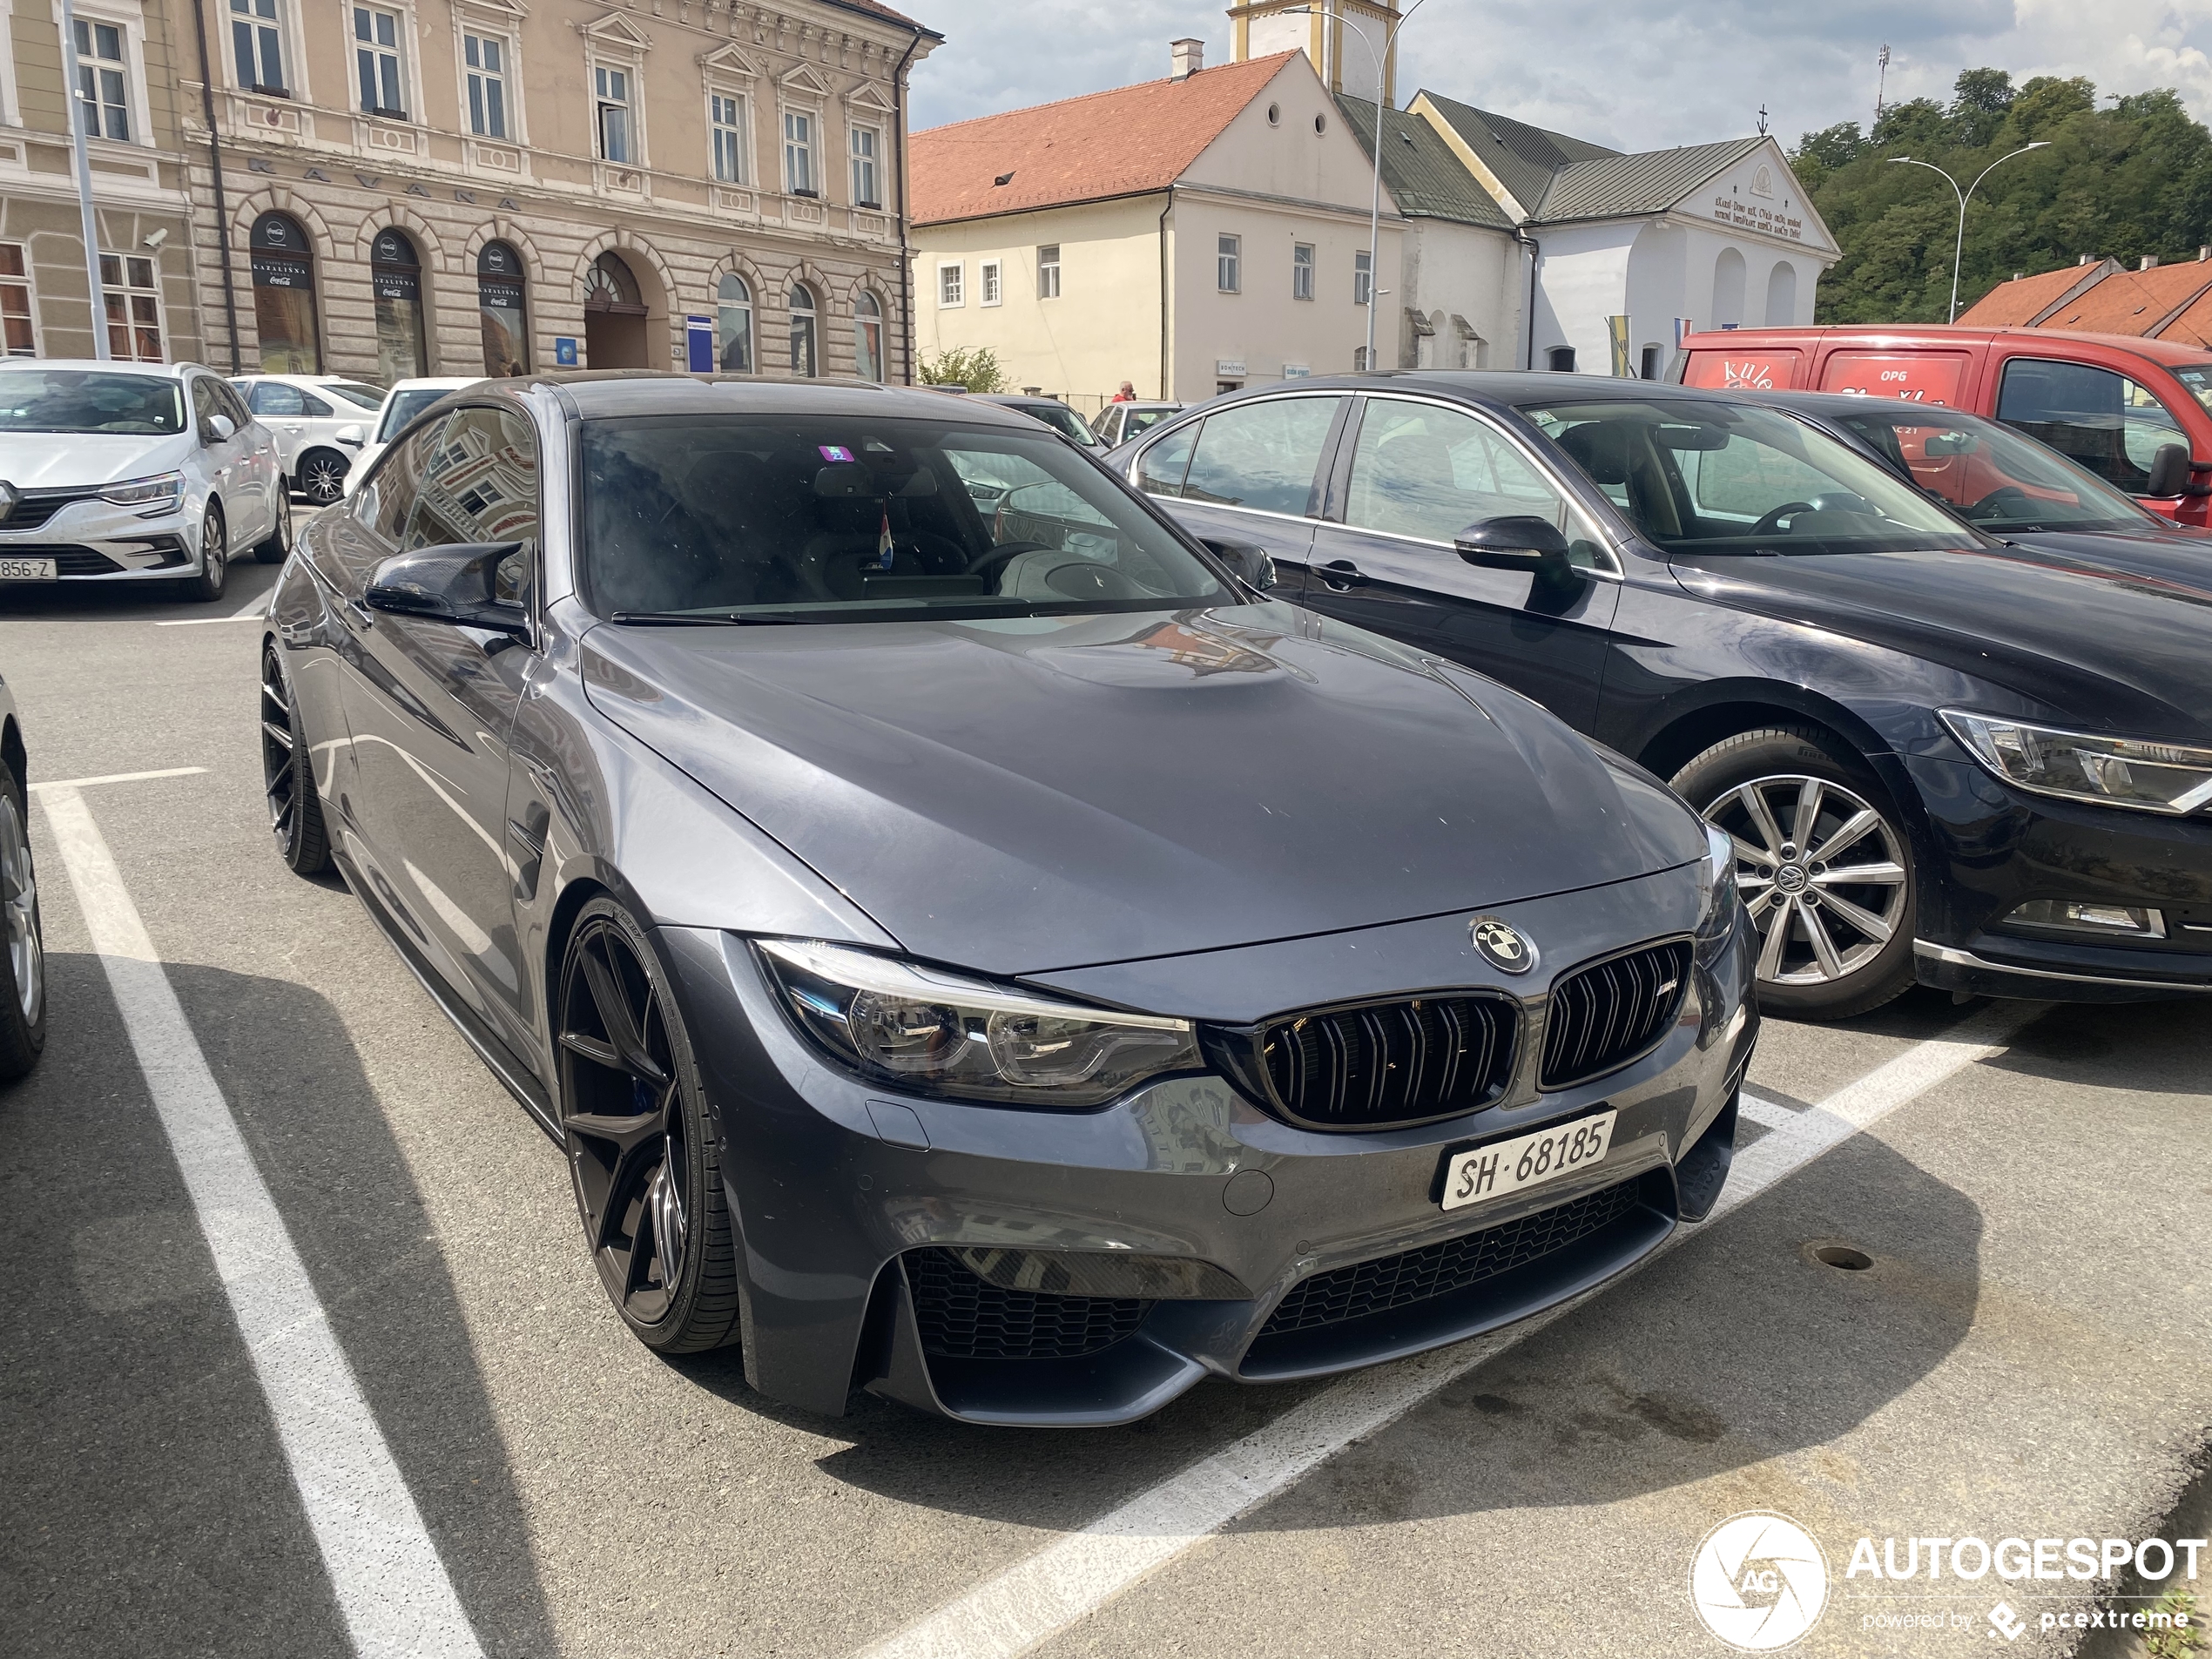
x=978 y=370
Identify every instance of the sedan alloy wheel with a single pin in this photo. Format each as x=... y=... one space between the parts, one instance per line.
x=322 y=478
x=1822 y=874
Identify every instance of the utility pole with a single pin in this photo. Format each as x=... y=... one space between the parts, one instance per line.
x=81 y=145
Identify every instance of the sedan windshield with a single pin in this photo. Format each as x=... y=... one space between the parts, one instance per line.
x=846 y=519
x=1060 y=418
x=1699 y=478
x=401 y=407
x=1990 y=475
x=80 y=399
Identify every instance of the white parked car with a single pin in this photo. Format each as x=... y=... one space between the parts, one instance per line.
x=321 y=422
x=129 y=473
x=402 y=403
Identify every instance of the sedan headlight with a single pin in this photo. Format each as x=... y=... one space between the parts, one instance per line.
x=917 y=1029
x=1717 y=898
x=154 y=496
x=2152 y=777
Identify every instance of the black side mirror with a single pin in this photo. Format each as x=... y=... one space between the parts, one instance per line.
x=452 y=584
x=2169 y=470
x=1252 y=565
x=1517 y=542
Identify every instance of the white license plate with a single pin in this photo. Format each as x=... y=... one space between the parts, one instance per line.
x=1484 y=1172
x=28 y=571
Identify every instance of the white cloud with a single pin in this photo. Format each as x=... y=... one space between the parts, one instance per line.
x=1630 y=73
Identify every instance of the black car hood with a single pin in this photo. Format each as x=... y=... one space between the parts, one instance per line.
x=1020 y=795
x=2104 y=630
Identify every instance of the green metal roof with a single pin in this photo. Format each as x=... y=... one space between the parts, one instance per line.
x=1426 y=180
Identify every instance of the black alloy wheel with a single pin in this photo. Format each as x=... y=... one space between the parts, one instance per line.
x=279 y=545
x=647 y=1177
x=214 y=557
x=322 y=476
x=287 y=775
x=23 y=949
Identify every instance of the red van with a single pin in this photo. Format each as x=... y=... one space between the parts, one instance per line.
x=2137 y=413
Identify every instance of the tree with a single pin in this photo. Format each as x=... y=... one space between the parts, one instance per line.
x=977 y=370
x=2131 y=179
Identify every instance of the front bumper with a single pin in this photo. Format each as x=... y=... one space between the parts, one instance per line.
x=90 y=540
x=837 y=1185
x=1997 y=849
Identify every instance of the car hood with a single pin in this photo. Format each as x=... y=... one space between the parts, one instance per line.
x=67 y=460
x=1020 y=795
x=2106 y=631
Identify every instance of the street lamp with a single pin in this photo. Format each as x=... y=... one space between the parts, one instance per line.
x=1374 y=204
x=1965 y=196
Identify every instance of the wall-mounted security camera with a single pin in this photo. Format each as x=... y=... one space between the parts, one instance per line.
x=156 y=238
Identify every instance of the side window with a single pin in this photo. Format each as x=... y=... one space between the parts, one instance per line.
x=275 y=398
x=227 y=401
x=1261 y=455
x=385 y=501
x=314 y=407
x=480 y=484
x=1428 y=472
x=1160 y=469
x=2099 y=420
x=204 y=406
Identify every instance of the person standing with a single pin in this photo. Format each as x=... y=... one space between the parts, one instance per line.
x=1127 y=394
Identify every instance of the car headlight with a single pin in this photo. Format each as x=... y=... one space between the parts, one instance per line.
x=1718 y=901
x=2151 y=777
x=154 y=496
x=919 y=1029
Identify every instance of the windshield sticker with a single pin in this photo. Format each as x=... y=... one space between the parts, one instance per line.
x=834 y=452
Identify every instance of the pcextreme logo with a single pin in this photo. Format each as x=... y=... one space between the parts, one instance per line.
x=1759 y=1581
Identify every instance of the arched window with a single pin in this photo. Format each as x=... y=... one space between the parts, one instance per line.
x=395 y=282
x=804 y=340
x=867 y=336
x=284 y=297
x=614 y=316
x=1728 y=288
x=1781 y=295
x=500 y=304
x=733 y=306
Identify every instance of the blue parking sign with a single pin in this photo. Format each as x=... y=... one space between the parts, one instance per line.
x=564 y=350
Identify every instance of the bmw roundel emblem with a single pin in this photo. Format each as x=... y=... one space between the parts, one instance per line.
x=1503 y=945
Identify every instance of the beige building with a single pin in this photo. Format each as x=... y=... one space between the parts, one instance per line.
x=129 y=97
x=1187 y=235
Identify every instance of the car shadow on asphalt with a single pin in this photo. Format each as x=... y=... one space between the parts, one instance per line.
x=151 y=1509
x=2144 y=1047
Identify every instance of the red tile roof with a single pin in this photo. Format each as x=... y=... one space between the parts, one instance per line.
x=1120 y=143
x=2015 y=304
x=2133 y=302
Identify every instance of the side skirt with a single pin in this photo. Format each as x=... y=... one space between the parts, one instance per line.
x=515 y=1077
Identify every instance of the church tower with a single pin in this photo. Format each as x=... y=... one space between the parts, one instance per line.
x=1330 y=32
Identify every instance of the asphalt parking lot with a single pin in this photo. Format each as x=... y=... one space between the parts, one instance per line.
x=2025 y=1356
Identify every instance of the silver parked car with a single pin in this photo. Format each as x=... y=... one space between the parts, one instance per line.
x=139 y=472
x=1119 y=422
x=23 y=948
x=321 y=422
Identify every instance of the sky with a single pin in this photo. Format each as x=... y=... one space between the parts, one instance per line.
x=1631 y=74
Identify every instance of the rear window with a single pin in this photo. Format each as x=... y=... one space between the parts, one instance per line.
x=361 y=397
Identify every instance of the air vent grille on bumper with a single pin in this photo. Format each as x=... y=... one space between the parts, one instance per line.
x=1389 y=1062
x=1438 y=1269
x=962 y=1316
x=1604 y=1015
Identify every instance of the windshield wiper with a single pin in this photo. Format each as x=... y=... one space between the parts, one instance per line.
x=697 y=618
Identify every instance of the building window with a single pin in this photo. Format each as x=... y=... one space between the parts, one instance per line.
x=1560 y=360
x=798 y=154
x=499 y=302
x=486 y=56
x=1363 y=278
x=949 y=280
x=864 y=186
x=725 y=121
x=133 y=303
x=867 y=336
x=733 y=308
x=1651 y=371
x=395 y=286
x=257 y=46
x=1228 y=263
x=1359 y=363
x=377 y=62
x=987 y=279
x=16 y=335
x=612 y=87
x=1302 y=271
x=1049 y=272
x=284 y=297
x=101 y=86
x=803 y=357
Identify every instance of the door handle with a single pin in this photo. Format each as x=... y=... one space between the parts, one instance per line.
x=1340 y=573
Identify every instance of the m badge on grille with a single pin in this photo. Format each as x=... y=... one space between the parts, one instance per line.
x=1502 y=945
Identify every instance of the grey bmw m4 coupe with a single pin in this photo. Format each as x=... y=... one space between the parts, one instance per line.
x=969 y=941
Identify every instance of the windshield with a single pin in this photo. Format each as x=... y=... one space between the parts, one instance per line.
x=2197 y=382
x=366 y=397
x=851 y=519
x=77 y=400
x=1697 y=477
x=403 y=407
x=1062 y=419
x=1991 y=475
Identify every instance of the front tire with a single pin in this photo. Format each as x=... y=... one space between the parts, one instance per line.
x=214 y=557
x=1824 y=865
x=645 y=1169
x=22 y=946
x=288 y=775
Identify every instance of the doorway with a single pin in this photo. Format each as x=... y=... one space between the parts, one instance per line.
x=614 y=316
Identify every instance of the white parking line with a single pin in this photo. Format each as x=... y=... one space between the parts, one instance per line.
x=391 y=1588
x=117 y=778
x=1043 y=1595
